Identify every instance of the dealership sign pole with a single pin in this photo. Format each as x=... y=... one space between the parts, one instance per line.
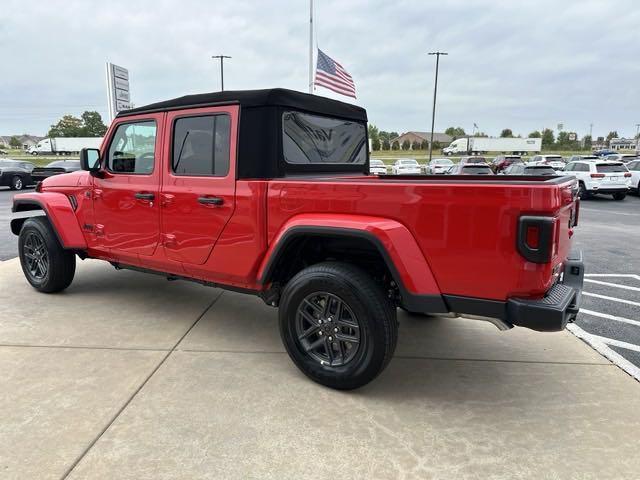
x=117 y=89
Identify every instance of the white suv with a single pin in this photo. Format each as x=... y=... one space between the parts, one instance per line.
x=600 y=176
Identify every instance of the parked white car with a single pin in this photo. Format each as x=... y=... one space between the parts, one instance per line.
x=634 y=170
x=438 y=166
x=406 y=166
x=554 y=161
x=600 y=176
x=377 y=167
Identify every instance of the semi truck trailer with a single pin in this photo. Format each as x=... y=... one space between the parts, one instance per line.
x=480 y=145
x=64 y=145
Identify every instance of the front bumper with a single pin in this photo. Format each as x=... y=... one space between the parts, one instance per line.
x=558 y=307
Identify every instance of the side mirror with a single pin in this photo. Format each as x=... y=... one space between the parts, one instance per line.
x=90 y=159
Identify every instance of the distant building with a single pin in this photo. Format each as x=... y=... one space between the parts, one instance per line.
x=622 y=144
x=26 y=141
x=411 y=137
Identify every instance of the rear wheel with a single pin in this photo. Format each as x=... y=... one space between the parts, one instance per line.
x=17 y=183
x=46 y=265
x=337 y=325
x=619 y=196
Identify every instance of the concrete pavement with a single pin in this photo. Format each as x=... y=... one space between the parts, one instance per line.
x=126 y=375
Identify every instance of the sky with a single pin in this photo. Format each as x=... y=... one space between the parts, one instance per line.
x=511 y=64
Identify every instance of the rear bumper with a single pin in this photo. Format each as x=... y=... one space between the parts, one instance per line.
x=558 y=307
x=551 y=313
x=609 y=190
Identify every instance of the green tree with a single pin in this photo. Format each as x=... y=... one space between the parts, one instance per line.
x=455 y=132
x=424 y=145
x=611 y=135
x=480 y=135
x=395 y=145
x=406 y=145
x=393 y=135
x=14 y=142
x=386 y=145
x=375 y=144
x=506 y=133
x=436 y=145
x=548 y=139
x=415 y=145
x=93 y=126
x=535 y=134
x=68 y=126
x=587 y=142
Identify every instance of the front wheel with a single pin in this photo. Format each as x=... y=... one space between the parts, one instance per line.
x=46 y=265
x=337 y=325
x=619 y=196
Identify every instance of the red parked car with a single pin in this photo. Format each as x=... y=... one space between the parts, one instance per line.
x=268 y=192
x=500 y=163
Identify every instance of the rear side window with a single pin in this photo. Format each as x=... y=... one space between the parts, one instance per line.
x=634 y=166
x=201 y=145
x=604 y=168
x=312 y=139
x=540 y=171
x=132 y=148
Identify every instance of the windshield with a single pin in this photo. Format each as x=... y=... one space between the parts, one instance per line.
x=443 y=161
x=376 y=163
x=610 y=168
x=7 y=163
x=312 y=139
x=554 y=159
x=409 y=162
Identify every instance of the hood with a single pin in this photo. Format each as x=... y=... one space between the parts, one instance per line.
x=72 y=179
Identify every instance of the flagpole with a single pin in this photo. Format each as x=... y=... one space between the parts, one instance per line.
x=310 y=46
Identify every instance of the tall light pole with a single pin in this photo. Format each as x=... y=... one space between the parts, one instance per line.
x=435 y=92
x=310 y=46
x=221 y=57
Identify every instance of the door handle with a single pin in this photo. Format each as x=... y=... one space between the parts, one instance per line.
x=145 y=196
x=210 y=200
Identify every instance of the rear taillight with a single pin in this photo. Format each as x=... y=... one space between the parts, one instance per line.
x=537 y=238
x=627 y=174
x=597 y=175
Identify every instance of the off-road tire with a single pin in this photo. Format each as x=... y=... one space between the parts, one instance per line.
x=582 y=191
x=373 y=311
x=61 y=263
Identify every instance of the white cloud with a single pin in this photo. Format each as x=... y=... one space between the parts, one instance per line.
x=521 y=65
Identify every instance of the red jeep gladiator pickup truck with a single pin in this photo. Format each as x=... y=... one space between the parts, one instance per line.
x=268 y=192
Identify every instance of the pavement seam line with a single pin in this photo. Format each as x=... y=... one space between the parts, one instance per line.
x=70 y=469
x=85 y=347
x=405 y=357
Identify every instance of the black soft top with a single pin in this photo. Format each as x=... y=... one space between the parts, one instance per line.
x=260 y=127
x=277 y=97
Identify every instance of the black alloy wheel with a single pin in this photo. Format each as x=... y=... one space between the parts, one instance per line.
x=35 y=255
x=327 y=329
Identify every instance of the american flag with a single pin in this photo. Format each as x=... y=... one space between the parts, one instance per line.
x=330 y=74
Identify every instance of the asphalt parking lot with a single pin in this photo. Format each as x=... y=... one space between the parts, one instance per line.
x=609 y=234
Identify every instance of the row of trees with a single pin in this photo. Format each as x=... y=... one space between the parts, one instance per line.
x=383 y=140
x=89 y=124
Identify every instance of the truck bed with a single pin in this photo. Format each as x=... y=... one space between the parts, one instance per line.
x=465 y=226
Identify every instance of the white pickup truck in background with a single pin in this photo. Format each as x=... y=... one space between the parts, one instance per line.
x=64 y=145
x=481 y=145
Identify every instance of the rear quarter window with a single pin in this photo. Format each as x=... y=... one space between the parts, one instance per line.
x=313 y=139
